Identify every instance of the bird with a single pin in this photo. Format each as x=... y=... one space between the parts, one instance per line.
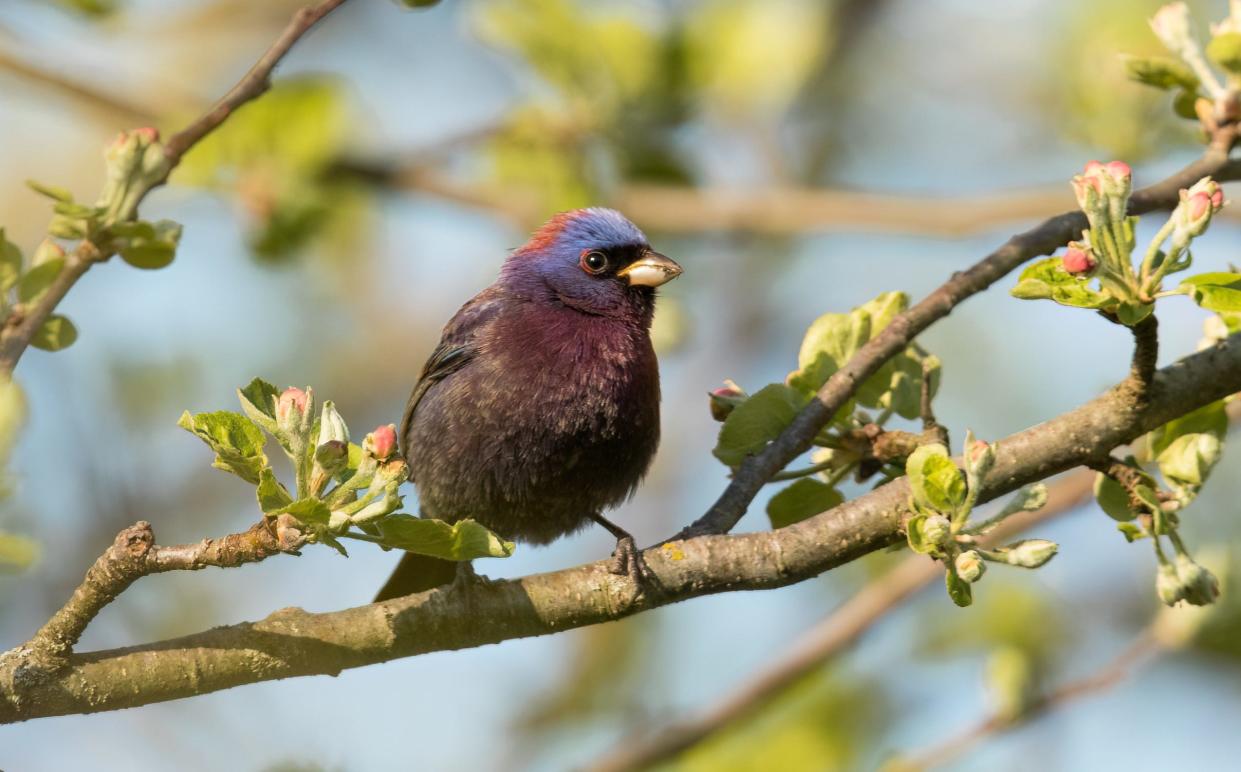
x=539 y=408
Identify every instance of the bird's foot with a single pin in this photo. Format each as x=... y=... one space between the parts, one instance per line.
x=466 y=577
x=626 y=558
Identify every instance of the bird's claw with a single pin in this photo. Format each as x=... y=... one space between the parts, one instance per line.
x=627 y=561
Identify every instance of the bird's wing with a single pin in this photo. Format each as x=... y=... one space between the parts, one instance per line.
x=457 y=347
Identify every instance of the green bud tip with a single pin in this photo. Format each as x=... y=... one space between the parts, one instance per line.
x=970 y=566
x=937 y=529
x=1031 y=553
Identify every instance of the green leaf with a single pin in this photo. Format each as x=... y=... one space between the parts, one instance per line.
x=151 y=256
x=10 y=263
x=150 y=246
x=1112 y=498
x=958 y=589
x=1161 y=72
x=1225 y=50
x=1047 y=279
x=463 y=540
x=1132 y=313
x=36 y=281
x=51 y=191
x=56 y=333
x=17 y=553
x=76 y=211
x=915 y=536
x=757 y=421
x=1220 y=292
x=804 y=498
x=258 y=400
x=1188 y=448
x=937 y=483
x=1131 y=532
x=1184 y=104
x=309 y=511
x=271 y=492
x=833 y=339
x=236 y=440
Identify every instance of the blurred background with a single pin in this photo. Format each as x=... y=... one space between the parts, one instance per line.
x=333 y=226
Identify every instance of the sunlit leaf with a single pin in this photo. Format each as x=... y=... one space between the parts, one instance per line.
x=804 y=498
x=56 y=333
x=463 y=540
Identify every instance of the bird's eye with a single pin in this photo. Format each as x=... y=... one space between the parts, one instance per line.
x=594 y=262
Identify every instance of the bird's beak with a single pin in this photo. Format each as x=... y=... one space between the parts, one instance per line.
x=650 y=270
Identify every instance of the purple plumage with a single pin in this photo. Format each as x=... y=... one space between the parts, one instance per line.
x=539 y=409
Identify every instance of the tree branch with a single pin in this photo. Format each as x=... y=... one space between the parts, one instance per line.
x=839 y=388
x=20 y=327
x=293 y=642
x=133 y=555
x=1146 y=645
x=830 y=637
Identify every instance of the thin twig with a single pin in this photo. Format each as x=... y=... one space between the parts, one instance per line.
x=1144 y=647
x=827 y=639
x=840 y=387
x=133 y=555
x=20 y=328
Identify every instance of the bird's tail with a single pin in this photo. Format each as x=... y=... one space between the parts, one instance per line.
x=417 y=573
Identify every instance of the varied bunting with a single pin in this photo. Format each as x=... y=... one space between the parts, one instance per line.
x=539 y=408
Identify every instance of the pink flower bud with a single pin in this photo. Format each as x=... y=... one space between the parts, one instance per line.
x=291 y=400
x=725 y=399
x=977 y=449
x=1199 y=205
x=1217 y=199
x=1078 y=261
x=148 y=134
x=382 y=442
x=1092 y=168
x=1119 y=170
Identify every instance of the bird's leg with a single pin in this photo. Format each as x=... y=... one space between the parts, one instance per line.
x=626 y=557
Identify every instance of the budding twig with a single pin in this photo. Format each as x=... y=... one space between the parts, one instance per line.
x=133 y=555
x=1144 y=647
x=1045 y=238
x=20 y=329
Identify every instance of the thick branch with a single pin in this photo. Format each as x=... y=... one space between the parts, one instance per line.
x=20 y=328
x=839 y=388
x=830 y=637
x=293 y=642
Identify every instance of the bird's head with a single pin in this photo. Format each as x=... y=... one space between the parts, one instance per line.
x=593 y=260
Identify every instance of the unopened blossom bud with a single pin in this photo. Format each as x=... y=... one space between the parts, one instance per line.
x=291 y=404
x=1198 y=204
x=969 y=566
x=1199 y=586
x=147 y=134
x=1088 y=188
x=725 y=399
x=331 y=426
x=1078 y=259
x=1168 y=585
x=381 y=443
x=1171 y=25
x=937 y=529
x=1030 y=553
x=332 y=456
x=979 y=458
x=47 y=250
